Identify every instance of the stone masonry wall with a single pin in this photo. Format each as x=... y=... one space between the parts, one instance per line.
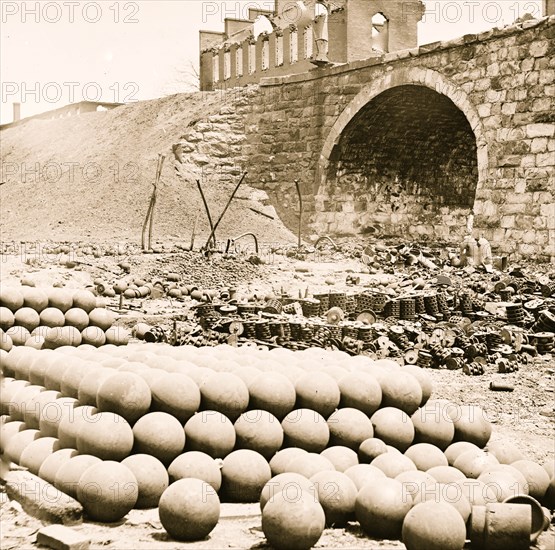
x=442 y=131
x=501 y=80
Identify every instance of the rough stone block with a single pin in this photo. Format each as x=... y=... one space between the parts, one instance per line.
x=539 y=48
x=507 y=222
x=60 y=537
x=40 y=499
x=538 y=145
x=545 y=159
x=540 y=130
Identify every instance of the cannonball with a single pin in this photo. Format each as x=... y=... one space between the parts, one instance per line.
x=18 y=335
x=28 y=318
x=11 y=298
x=446 y=474
x=307 y=429
x=360 y=390
x=105 y=435
x=57 y=337
x=77 y=317
x=102 y=318
x=71 y=380
x=6 y=342
x=54 y=412
x=476 y=491
x=417 y=484
x=317 y=391
x=280 y=461
x=349 y=427
x=432 y=424
x=33 y=411
x=152 y=478
x=361 y=474
x=196 y=465
x=189 y=509
x=117 y=335
x=392 y=464
x=272 y=392
x=381 y=508
x=309 y=464
x=450 y=493
x=370 y=448
x=293 y=523
x=108 y=491
x=94 y=336
x=472 y=463
x=394 y=427
x=505 y=451
x=471 y=424
x=125 y=394
x=341 y=457
x=176 y=394
x=424 y=380
x=36 y=452
x=7 y=318
x=159 y=434
x=53 y=462
x=244 y=474
x=503 y=483
x=226 y=393
x=85 y=300
x=426 y=456
x=90 y=382
x=337 y=494
x=456 y=449
x=259 y=431
x=17 y=442
x=69 y=472
x=536 y=477
x=433 y=526
x=401 y=390
x=210 y=432
x=52 y=317
x=60 y=298
x=292 y=483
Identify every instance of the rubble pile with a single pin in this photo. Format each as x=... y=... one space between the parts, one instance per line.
x=464 y=323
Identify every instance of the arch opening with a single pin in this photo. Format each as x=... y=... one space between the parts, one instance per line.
x=406 y=164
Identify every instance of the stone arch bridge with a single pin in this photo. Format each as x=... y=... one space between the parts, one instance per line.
x=414 y=142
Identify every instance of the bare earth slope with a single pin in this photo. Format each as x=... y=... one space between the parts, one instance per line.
x=90 y=177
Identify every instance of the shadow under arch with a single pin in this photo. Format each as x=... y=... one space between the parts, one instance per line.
x=411 y=137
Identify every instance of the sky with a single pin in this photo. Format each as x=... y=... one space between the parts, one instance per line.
x=57 y=52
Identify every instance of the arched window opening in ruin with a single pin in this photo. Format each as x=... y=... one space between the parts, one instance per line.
x=239 y=61
x=216 y=67
x=279 y=50
x=380 y=33
x=407 y=163
x=294 y=50
x=252 y=58
x=227 y=65
x=262 y=25
x=265 y=55
x=308 y=42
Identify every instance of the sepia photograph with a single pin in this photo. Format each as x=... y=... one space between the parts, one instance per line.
x=277 y=274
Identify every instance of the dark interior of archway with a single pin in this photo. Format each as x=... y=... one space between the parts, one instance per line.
x=411 y=147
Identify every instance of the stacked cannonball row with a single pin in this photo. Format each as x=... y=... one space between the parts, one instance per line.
x=318 y=437
x=52 y=317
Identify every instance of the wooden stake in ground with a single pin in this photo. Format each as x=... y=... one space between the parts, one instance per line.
x=150 y=212
x=224 y=210
x=212 y=229
x=300 y=214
